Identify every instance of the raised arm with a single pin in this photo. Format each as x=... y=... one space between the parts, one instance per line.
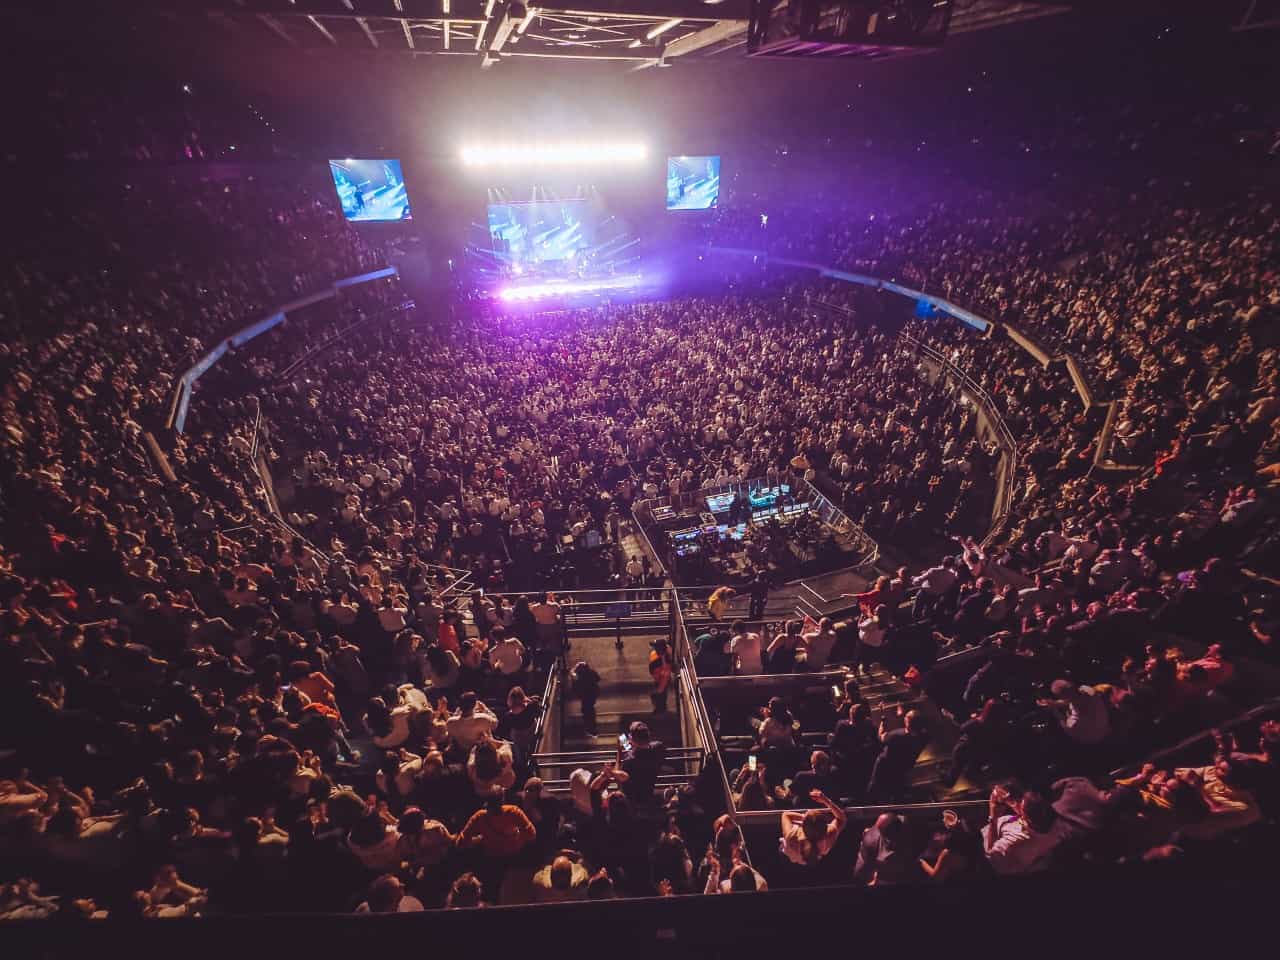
x=837 y=811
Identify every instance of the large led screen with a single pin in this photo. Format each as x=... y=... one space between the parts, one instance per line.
x=693 y=183
x=370 y=190
x=546 y=231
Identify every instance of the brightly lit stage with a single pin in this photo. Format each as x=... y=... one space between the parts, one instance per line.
x=554 y=245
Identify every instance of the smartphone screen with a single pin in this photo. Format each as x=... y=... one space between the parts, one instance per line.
x=624 y=741
x=835 y=690
x=751 y=762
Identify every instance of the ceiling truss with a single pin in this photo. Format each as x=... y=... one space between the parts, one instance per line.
x=642 y=33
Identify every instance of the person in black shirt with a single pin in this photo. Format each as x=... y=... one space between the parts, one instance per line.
x=818 y=777
x=759 y=593
x=854 y=746
x=585 y=685
x=641 y=761
x=899 y=749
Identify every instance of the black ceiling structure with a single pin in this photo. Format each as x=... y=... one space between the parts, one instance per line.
x=633 y=33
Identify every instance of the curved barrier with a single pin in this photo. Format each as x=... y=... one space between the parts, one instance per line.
x=862 y=279
x=181 y=401
x=1083 y=389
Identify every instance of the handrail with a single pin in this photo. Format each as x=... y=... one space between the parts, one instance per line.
x=946 y=306
x=257 y=426
x=549 y=694
x=760 y=817
x=689 y=674
x=1204 y=736
x=181 y=399
x=816 y=678
x=981 y=396
x=644 y=535
x=678 y=753
x=1001 y=430
x=284 y=375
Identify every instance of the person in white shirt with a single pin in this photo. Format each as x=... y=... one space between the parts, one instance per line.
x=1038 y=595
x=746 y=649
x=806 y=836
x=472 y=721
x=818 y=644
x=546 y=614
x=394 y=727
x=873 y=632
x=393 y=616
x=507 y=655
x=934 y=584
x=1019 y=836
x=343 y=612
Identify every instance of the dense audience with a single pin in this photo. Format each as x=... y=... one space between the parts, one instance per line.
x=210 y=710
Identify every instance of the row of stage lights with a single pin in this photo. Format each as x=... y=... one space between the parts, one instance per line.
x=553 y=154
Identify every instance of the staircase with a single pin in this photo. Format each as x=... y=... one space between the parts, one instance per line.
x=624 y=693
x=882 y=692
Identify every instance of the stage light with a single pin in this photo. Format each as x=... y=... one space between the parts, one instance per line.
x=633 y=44
x=663 y=27
x=541 y=291
x=553 y=154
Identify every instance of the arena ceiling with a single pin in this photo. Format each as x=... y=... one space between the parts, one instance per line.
x=636 y=33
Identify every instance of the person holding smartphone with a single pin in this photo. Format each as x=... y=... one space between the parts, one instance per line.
x=641 y=758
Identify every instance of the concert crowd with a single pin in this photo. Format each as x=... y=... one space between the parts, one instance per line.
x=210 y=709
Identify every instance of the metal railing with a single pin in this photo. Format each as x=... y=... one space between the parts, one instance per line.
x=1204 y=738
x=1004 y=436
x=595 y=610
x=981 y=398
x=180 y=399
x=285 y=375
x=688 y=674
x=551 y=721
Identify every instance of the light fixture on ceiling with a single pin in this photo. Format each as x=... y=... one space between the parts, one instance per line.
x=663 y=27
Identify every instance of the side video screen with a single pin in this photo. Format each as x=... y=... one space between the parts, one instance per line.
x=370 y=190
x=693 y=183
